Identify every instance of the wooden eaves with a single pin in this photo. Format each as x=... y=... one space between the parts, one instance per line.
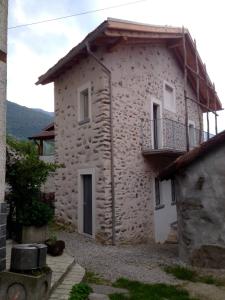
x=112 y=33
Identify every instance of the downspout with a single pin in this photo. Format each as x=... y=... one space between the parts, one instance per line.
x=111 y=144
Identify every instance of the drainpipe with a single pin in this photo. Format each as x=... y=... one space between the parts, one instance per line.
x=111 y=144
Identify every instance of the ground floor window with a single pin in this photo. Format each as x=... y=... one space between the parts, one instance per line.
x=158 y=195
x=173 y=192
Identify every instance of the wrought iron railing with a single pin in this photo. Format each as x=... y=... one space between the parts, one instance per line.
x=169 y=134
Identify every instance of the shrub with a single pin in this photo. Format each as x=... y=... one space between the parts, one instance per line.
x=25 y=173
x=36 y=214
x=80 y=291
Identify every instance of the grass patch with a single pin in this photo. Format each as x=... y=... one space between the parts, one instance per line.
x=91 y=277
x=80 y=291
x=184 y=273
x=144 y=291
x=181 y=273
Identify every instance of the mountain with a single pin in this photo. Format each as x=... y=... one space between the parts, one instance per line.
x=22 y=122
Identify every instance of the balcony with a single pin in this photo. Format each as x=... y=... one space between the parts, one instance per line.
x=167 y=138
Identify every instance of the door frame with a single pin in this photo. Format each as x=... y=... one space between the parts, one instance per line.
x=160 y=131
x=81 y=172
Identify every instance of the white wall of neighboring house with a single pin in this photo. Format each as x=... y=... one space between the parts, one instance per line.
x=165 y=216
x=49 y=185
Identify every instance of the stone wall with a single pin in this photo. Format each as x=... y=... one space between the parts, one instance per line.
x=84 y=146
x=138 y=74
x=3 y=51
x=201 y=214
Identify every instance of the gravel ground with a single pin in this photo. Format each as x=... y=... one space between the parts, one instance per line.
x=137 y=262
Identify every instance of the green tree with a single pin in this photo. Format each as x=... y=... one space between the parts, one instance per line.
x=25 y=173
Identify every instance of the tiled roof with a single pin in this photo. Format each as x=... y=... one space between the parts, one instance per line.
x=113 y=32
x=46 y=133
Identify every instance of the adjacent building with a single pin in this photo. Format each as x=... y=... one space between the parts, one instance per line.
x=126 y=106
x=200 y=186
x=3 y=70
x=45 y=142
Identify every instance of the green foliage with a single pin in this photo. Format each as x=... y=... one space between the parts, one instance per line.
x=184 y=273
x=36 y=214
x=25 y=173
x=144 y=291
x=22 y=122
x=80 y=291
x=91 y=277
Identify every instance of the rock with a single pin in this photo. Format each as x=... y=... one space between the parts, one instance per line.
x=209 y=256
x=205 y=291
x=94 y=296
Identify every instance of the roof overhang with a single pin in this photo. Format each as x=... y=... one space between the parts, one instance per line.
x=113 y=32
x=190 y=157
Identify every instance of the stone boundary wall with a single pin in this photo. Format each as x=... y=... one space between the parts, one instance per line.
x=3 y=72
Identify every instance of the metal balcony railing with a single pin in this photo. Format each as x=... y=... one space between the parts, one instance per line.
x=168 y=134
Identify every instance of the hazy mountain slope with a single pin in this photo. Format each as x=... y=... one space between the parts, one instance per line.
x=22 y=122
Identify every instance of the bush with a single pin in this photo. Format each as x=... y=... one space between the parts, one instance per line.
x=80 y=291
x=25 y=173
x=37 y=214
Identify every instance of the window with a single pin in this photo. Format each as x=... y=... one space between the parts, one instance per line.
x=48 y=147
x=192 y=134
x=158 y=198
x=173 y=192
x=169 y=97
x=84 y=104
x=157 y=192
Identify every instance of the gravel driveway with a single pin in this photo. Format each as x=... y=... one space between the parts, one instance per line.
x=138 y=262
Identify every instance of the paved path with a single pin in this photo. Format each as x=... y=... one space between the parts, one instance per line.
x=75 y=275
x=138 y=262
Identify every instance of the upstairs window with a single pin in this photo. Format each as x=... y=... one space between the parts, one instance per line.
x=169 y=97
x=84 y=104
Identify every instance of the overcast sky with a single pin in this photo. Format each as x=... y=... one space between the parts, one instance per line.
x=32 y=50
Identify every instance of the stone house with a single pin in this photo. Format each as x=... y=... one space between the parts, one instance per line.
x=200 y=186
x=3 y=70
x=120 y=117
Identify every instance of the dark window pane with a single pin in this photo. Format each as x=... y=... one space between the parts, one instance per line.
x=157 y=192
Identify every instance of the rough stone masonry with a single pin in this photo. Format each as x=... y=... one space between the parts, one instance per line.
x=3 y=70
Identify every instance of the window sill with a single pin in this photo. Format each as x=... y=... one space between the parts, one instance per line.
x=159 y=206
x=84 y=121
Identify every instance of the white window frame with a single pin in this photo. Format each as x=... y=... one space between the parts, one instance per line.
x=160 y=136
x=86 y=86
x=166 y=105
x=81 y=172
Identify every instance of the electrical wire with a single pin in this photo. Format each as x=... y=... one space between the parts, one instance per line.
x=78 y=14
